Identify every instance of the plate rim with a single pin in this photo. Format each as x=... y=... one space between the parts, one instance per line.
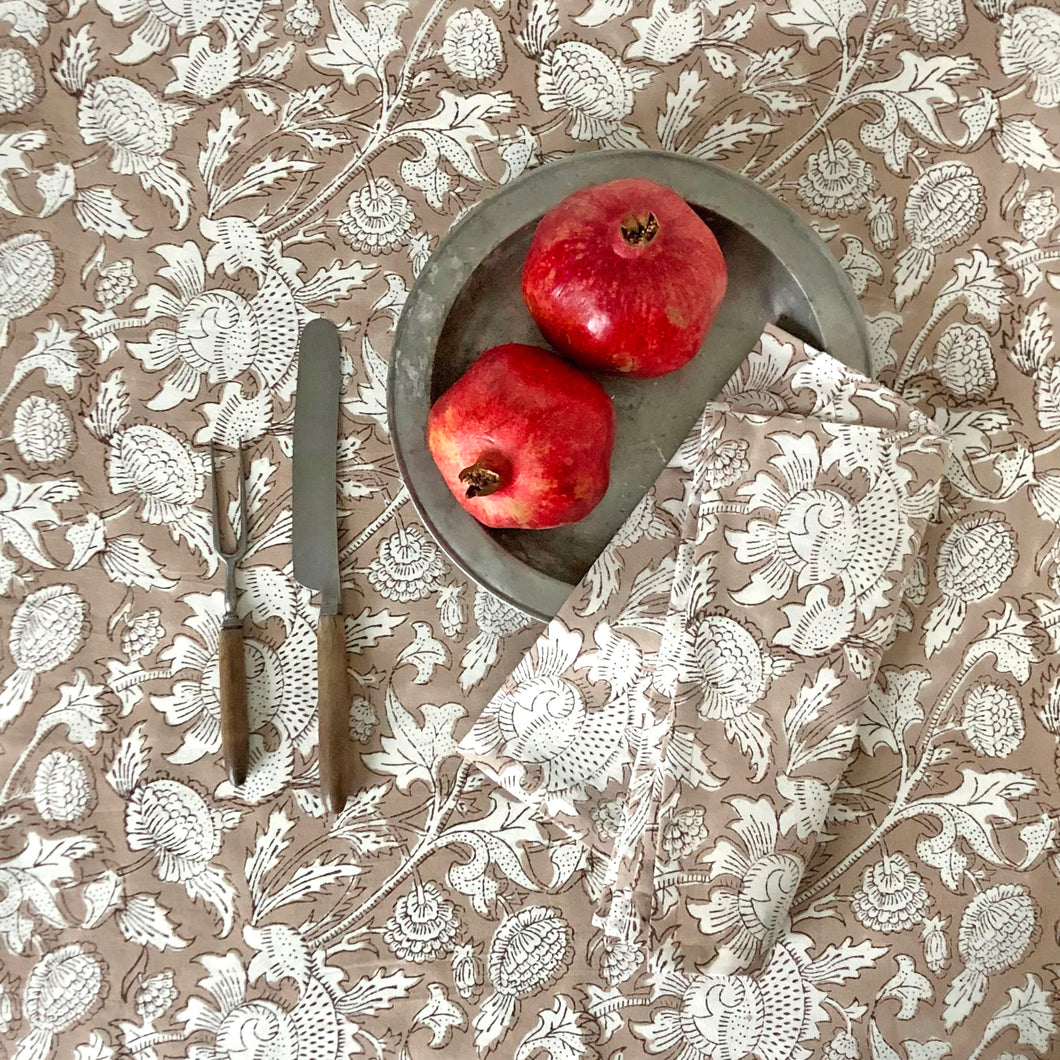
x=530 y=590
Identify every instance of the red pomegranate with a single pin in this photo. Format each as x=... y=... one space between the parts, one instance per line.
x=624 y=277
x=523 y=439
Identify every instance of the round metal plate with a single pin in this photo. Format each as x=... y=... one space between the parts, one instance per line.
x=468 y=298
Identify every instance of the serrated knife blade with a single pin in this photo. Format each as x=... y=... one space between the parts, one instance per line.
x=316 y=541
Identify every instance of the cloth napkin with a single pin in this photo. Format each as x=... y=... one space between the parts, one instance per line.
x=708 y=676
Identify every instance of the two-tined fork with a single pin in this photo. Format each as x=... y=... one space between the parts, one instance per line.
x=235 y=730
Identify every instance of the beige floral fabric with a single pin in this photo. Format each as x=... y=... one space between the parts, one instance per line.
x=182 y=187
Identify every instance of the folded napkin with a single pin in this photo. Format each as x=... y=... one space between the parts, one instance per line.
x=706 y=678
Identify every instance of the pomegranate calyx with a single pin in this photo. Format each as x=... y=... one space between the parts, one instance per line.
x=638 y=230
x=481 y=479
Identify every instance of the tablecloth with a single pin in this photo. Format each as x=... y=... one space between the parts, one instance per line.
x=182 y=186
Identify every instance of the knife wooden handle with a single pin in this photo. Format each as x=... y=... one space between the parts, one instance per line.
x=333 y=701
x=235 y=732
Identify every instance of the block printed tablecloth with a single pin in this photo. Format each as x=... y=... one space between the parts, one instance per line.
x=183 y=183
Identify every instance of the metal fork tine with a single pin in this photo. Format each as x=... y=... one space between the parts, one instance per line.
x=241 y=536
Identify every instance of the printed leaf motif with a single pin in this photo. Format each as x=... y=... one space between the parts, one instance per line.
x=281 y=954
x=907 y=986
x=376 y=992
x=979 y=285
x=880 y=1048
x=55 y=353
x=362 y=825
x=110 y=408
x=130 y=762
x=425 y=653
x=221 y=140
x=809 y=742
x=237 y=244
x=681 y=106
x=335 y=283
x=99 y=210
x=540 y=20
x=260 y=176
x=555 y=1033
x=820 y=20
x=144 y=922
x=94 y=1049
x=305 y=881
x=719 y=141
x=847 y=960
x=368 y=628
x=1033 y=345
x=892 y=707
x=1030 y=1012
x=413 y=751
x=968 y=813
x=1021 y=141
x=360 y=49
x=441 y=1016
x=80 y=709
x=1006 y=638
x=27 y=509
x=268 y=847
x=666 y=34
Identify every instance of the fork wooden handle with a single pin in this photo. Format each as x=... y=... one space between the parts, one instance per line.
x=333 y=701
x=235 y=727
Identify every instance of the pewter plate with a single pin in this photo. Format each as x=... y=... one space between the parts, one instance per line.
x=468 y=298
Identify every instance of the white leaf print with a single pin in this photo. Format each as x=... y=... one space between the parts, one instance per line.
x=540 y=20
x=414 y=752
x=1030 y=1012
x=128 y=560
x=94 y=1049
x=166 y=178
x=907 y=986
x=440 y=1015
x=892 y=706
x=238 y=244
x=27 y=508
x=260 y=100
x=128 y=765
x=32 y=881
x=360 y=49
x=54 y=352
x=259 y=177
x=912 y=97
x=844 y=961
x=372 y=994
x=719 y=141
x=556 y=1033
x=100 y=897
x=98 y=209
x=110 y=407
x=28 y=19
x=144 y=922
x=932 y=1049
x=682 y=103
x=80 y=709
x=281 y=954
x=306 y=881
x=1021 y=141
x=366 y=629
x=268 y=847
x=335 y=283
x=808 y=743
x=820 y=20
x=720 y=62
x=425 y=653
x=1034 y=340
x=977 y=283
x=370 y=401
x=880 y=1049
x=221 y=140
x=666 y=35
x=78 y=59
x=860 y=265
x=1007 y=640
x=968 y=813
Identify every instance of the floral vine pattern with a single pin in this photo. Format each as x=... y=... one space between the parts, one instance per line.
x=787 y=791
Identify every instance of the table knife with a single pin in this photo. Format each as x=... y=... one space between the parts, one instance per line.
x=316 y=542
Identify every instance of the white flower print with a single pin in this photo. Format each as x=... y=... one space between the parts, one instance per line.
x=530 y=951
x=303 y=20
x=203 y=72
x=730 y=1017
x=940 y=23
x=377 y=218
x=817 y=529
x=115 y=283
x=363 y=720
x=467 y=970
x=280 y=694
x=883 y=229
x=472 y=47
x=541 y=720
x=155 y=996
x=976 y=556
x=594 y=88
x=495 y=619
x=965 y=361
x=28 y=275
x=620 y=961
x=62 y=788
x=313 y=1028
x=993 y=719
x=142 y=633
x=607 y=816
x=946 y=205
x=751 y=915
x=21 y=79
x=936 y=943
x=998 y=927
x=836 y=180
x=42 y=431
x=47 y=628
x=1027 y=47
x=682 y=832
x=407 y=566
x=422 y=927
x=175 y=823
x=1038 y=215
x=217 y=332
x=892 y=897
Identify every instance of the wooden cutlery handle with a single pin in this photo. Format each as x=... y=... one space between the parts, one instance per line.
x=235 y=733
x=333 y=700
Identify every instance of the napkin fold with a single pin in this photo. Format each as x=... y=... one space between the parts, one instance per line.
x=690 y=710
